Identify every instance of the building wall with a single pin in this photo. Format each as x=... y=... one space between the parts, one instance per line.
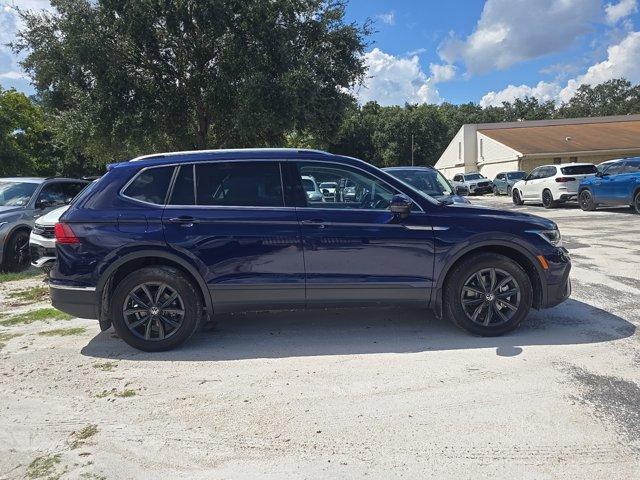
x=529 y=163
x=452 y=159
x=495 y=157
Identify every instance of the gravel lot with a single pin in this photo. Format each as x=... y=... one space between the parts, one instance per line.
x=340 y=394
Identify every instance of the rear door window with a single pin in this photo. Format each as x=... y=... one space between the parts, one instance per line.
x=150 y=185
x=579 y=170
x=632 y=167
x=239 y=184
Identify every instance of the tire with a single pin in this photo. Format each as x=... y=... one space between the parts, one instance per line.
x=517 y=200
x=502 y=319
x=547 y=199
x=636 y=202
x=586 y=202
x=164 y=331
x=16 y=253
x=496 y=191
x=509 y=191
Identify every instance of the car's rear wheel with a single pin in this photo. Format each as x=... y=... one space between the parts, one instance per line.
x=16 y=253
x=156 y=308
x=517 y=200
x=488 y=294
x=547 y=199
x=509 y=191
x=586 y=202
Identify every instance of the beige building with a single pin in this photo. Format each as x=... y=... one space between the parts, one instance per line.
x=491 y=148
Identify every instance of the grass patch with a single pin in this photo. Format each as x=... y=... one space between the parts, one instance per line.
x=5 y=337
x=63 y=332
x=10 y=277
x=45 y=467
x=79 y=437
x=106 y=366
x=126 y=393
x=33 y=294
x=40 y=315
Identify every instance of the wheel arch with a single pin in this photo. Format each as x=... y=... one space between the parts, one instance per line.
x=131 y=262
x=516 y=253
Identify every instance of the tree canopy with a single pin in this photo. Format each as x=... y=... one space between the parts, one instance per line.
x=136 y=76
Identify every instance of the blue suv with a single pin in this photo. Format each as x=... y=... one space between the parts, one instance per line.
x=162 y=243
x=617 y=184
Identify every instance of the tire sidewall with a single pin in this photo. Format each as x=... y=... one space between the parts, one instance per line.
x=586 y=205
x=547 y=194
x=174 y=279
x=10 y=261
x=453 y=292
x=517 y=200
x=636 y=203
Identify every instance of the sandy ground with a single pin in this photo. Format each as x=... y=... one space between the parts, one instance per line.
x=344 y=394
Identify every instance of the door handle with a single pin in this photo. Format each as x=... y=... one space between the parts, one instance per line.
x=318 y=223
x=183 y=220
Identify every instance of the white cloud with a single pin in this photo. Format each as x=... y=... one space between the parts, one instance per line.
x=542 y=91
x=510 y=31
x=392 y=80
x=442 y=73
x=616 y=12
x=623 y=60
x=13 y=75
x=387 y=17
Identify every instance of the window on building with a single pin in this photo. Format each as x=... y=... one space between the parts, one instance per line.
x=459 y=150
x=557 y=160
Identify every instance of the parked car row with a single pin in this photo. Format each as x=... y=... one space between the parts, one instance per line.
x=616 y=183
x=23 y=201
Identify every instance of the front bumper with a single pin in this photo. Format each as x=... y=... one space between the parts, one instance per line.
x=77 y=301
x=558 y=287
x=480 y=190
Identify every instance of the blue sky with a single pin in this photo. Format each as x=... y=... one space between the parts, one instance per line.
x=465 y=50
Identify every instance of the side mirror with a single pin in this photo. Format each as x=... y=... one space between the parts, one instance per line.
x=400 y=206
x=462 y=190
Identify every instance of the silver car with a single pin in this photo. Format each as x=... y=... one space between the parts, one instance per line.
x=477 y=183
x=22 y=200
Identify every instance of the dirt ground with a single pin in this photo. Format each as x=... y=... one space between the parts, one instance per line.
x=341 y=393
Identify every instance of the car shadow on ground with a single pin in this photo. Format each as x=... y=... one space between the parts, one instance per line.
x=351 y=331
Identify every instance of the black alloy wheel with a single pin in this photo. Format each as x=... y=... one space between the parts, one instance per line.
x=585 y=200
x=153 y=311
x=490 y=297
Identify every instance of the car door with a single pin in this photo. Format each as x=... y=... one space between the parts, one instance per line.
x=500 y=182
x=356 y=251
x=610 y=186
x=530 y=184
x=230 y=218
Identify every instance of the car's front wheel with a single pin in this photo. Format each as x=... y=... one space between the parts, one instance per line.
x=517 y=200
x=156 y=308
x=16 y=252
x=636 y=202
x=496 y=191
x=487 y=294
x=585 y=199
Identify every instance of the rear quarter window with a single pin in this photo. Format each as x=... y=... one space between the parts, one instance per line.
x=579 y=170
x=150 y=185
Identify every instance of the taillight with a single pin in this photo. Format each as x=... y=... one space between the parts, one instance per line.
x=565 y=179
x=64 y=234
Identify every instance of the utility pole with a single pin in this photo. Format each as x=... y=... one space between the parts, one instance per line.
x=412 y=150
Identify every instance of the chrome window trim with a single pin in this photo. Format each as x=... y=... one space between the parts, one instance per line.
x=279 y=161
x=69 y=287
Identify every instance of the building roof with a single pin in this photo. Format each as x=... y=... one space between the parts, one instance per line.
x=567 y=135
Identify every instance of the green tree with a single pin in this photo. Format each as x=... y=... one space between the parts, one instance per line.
x=25 y=141
x=141 y=75
x=614 y=97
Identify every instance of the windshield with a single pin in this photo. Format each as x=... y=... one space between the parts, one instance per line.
x=308 y=185
x=473 y=176
x=16 y=194
x=579 y=170
x=430 y=182
x=516 y=175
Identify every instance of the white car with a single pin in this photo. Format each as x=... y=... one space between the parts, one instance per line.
x=42 y=241
x=552 y=184
x=311 y=189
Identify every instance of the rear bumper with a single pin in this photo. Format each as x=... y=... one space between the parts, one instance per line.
x=77 y=301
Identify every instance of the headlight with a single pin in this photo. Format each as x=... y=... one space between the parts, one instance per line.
x=551 y=236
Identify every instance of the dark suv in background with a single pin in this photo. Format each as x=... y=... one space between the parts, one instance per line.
x=22 y=200
x=161 y=243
